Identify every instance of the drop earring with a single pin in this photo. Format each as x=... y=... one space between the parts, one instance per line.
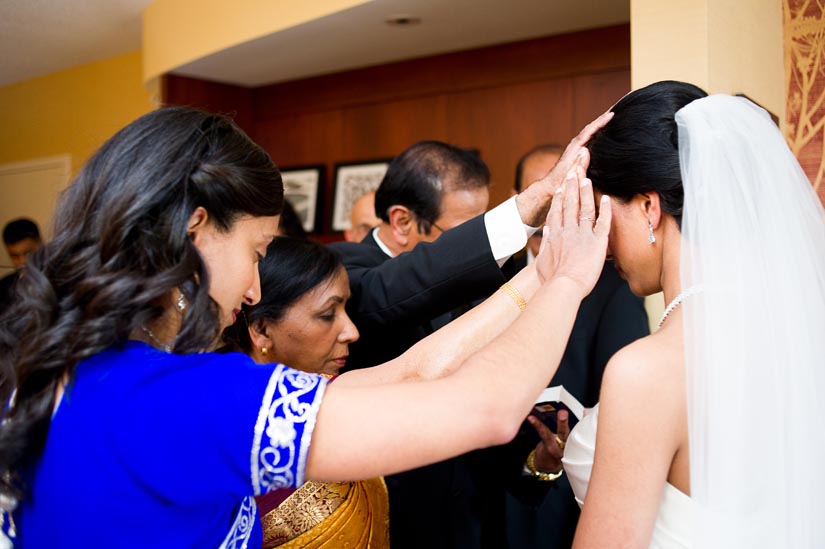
x=264 y=351
x=651 y=238
x=181 y=304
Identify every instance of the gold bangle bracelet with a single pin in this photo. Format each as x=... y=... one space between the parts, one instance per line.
x=541 y=475
x=513 y=293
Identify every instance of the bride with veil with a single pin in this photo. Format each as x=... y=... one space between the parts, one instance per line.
x=709 y=431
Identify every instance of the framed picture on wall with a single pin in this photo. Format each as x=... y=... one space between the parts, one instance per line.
x=353 y=179
x=303 y=188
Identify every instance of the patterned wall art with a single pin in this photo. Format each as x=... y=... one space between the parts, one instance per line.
x=804 y=36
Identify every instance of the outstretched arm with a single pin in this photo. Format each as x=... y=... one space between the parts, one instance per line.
x=462 y=264
x=431 y=279
x=364 y=431
x=446 y=349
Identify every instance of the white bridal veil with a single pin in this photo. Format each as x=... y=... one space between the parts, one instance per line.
x=753 y=236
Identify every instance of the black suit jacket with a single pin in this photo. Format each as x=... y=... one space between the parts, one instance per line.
x=393 y=302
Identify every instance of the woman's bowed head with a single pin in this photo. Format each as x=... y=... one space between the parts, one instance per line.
x=710 y=207
x=149 y=218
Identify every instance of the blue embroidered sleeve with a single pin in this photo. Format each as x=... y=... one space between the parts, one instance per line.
x=284 y=429
x=218 y=426
x=157 y=446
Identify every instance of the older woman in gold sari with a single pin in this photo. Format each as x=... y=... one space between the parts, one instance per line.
x=301 y=322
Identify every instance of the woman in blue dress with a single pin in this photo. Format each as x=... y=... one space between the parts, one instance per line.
x=124 y=431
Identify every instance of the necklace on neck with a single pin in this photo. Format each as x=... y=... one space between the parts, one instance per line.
x=163 y=346
x=677 y=301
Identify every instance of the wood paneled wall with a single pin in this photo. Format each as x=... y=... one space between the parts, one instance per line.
x=501 y=100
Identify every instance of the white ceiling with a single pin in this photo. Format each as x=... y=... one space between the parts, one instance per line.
x=38 y=37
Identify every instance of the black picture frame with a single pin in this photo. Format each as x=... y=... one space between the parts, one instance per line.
x=304 y=188
x=351 y=181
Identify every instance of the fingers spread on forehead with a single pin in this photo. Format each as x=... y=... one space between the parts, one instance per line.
x=571 y=200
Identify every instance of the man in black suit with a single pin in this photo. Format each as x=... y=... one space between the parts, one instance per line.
x=436 y=269
x=542 y=514
x=446 y=253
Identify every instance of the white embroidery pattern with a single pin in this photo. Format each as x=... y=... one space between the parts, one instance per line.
x=287 y=414
x=238 y=537
x=284 y=427
x=7 y=534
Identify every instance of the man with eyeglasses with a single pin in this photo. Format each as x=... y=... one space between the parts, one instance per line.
x=397 y=286
x=434 y=254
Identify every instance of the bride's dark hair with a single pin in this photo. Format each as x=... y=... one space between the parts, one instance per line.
x=120 y=248
x=638 y=150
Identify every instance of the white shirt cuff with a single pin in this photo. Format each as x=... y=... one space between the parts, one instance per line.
x=505 y=230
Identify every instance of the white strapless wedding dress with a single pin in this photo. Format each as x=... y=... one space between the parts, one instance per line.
x=674 y=522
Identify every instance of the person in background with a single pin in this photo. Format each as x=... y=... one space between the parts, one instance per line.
x=362 y=218
x=428 y=189
x=301 y=321
x=533 y=166
x=124 y=430
x=21 y=237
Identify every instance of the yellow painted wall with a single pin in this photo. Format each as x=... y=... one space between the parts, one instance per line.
x=747 y=51
x=722 y=46
x=668 y=41
x=72 y=111
x=176 y=32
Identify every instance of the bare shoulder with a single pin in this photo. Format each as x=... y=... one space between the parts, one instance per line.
x=647 y=374
x=648 y=360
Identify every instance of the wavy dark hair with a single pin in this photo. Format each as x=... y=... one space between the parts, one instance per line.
x=638 y=150
x=292 y=267
x=120 y=248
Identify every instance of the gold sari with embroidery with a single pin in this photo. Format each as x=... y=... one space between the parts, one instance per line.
x=331 y=514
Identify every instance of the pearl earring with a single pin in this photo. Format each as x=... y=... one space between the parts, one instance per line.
x=651 y=238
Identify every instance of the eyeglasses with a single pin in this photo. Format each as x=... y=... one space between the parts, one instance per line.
x=434 y=224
